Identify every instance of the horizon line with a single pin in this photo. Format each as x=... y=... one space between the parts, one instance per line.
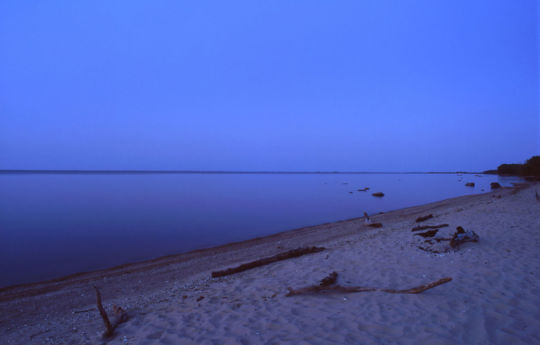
x=262 y=172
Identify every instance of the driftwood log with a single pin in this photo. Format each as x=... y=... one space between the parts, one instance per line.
x=429 y=233
x=425 y=227
x=120 y=316
x=424 y=218
x=323 y=287
x=265 y=261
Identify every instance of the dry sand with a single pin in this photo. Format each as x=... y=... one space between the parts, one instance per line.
x=494 y=297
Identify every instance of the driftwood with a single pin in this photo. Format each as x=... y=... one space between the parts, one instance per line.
x=378 y=194
x=375 y=225
x=421 y=219
x=440 y=239
x=425 y=227
x=363 y=189
x=429 y=233
x=333 y=288
x=329 y=280
x=434 y=251
x=265 y=261
x=461 y=236
x=119 y=316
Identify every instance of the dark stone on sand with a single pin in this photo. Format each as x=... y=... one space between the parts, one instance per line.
x=424 y=218
x=495 y=185
x=378 y=194
x=330 y=280
x=469 y=184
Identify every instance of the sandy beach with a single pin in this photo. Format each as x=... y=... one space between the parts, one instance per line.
x=493 y=298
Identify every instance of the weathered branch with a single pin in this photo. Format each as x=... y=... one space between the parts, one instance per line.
x=351 y=289
x=425 y=227
x=265 y=261
x=429 y=233
x=120 y=315
x=109 y=330
x=424 y=218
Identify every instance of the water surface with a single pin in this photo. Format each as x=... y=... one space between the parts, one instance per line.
x=57 y=224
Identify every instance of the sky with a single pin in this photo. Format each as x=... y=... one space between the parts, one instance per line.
x=379 y=85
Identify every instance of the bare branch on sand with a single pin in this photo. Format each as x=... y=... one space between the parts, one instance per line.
x=327 y=285
x=265 y=261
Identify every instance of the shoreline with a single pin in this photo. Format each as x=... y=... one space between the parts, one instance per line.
x=169 y=289
x=145 y=265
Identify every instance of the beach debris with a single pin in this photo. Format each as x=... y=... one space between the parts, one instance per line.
x=330 y=286
x=440 y=239
x=378 y=194
x=375 y=225
x=495 y=185
x=366 y=218
x=363 y=189
x=200 y=298
x=120 y=316
x=425 y=227
x=265 y=261
x=429 y=233
x=537 y=196
x=83 y=311
x=32 y=336
x=329 y=280
x=424 y=218
x=430 y=250
x=469 y=184
x=461 y=236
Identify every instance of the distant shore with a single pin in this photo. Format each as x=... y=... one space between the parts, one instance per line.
x=70 y=171
x=173 y=299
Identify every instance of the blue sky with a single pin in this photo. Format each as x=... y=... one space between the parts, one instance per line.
x=268 y=85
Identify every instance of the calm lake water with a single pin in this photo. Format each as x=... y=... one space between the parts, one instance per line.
x=57 y=224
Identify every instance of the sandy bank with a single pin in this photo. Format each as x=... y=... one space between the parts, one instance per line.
x=493 y=298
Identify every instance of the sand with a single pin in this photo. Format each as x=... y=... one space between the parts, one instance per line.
x=494 y=297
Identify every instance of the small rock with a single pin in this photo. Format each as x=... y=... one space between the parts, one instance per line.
x=495 y=185
x=378 y=194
